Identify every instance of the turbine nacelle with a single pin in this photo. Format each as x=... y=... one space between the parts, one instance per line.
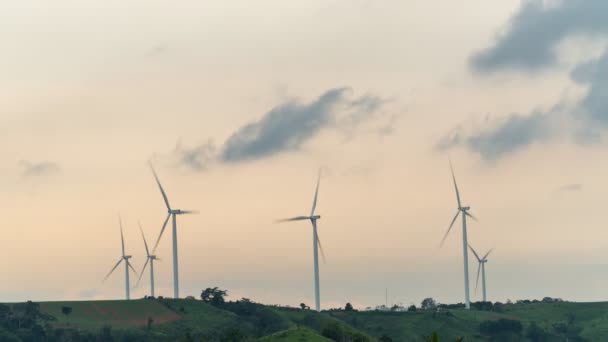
x=315 y=217
x=465 y=208
x=126 y=257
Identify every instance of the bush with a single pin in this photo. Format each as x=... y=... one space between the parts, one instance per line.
x=332 y=330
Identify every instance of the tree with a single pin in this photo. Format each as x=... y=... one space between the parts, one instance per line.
x=66 y=310
x=411 y=308
x=214 y=296
x=428 y=304
x=304 y=306
x=348 y=307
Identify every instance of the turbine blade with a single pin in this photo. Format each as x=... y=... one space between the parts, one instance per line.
x=455 y=185
x=485 y=256
x=471 y=216
x=162 y=230
x=122 y=239
x=314 y=202
x=450 y=228
x=162 y=191
x=142 y=235
x=477 y=256
x=297 y=218
x=477 y=282
x=131 y=267
x=113 y=268
x=189 y=212
x=321 y=249
x=142 y=272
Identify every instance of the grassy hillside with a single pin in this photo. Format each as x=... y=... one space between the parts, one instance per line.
x=117 y=313
x=235 y=321
x=295 y=335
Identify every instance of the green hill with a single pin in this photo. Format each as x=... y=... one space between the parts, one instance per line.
x=195 y=320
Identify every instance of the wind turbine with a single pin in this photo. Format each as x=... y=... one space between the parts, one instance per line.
x=171 y=213
x=482 y=267
x=149 y=258
x=315 y=241
x=124 y=258
x=465 y=212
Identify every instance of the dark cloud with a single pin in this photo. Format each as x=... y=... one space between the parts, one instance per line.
x=595 y=75
x=38 y=169
x=529 y=44
x=285 y=128
x=530 y=40
x=499 y=137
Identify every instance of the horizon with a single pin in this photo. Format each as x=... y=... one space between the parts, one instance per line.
x=238 y=107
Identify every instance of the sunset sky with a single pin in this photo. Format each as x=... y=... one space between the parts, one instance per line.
x=239 y=103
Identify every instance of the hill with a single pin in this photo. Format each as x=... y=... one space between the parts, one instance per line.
x=170 y=320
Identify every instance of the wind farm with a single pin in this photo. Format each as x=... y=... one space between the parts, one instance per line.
x=288 y=171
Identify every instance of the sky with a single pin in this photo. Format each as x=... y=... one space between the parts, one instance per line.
x=238 y=105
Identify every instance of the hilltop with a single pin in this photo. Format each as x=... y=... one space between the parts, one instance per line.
x=195 y=320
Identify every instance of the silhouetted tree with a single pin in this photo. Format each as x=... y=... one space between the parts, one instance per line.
x=213 y=296
x=428 y=304
x=348 y=307
x=412 y=308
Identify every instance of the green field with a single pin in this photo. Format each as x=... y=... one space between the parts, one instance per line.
x=169 y=320
x=295 y=335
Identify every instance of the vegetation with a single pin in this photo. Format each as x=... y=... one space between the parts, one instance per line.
x=215 y=319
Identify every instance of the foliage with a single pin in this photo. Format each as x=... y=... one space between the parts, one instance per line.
x=213 y=296
x=428 y=304
x=348 y=307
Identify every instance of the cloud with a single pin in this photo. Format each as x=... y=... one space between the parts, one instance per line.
x=576 y=187
x=198 y=157
x=286 y=127
x=38 y=169
x=498 y=137
x=529 y=44
x=530 y=40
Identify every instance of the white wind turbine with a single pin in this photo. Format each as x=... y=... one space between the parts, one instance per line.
x=482 y=266
x=124 y=258
x=315 y=241
x=465 y=212
x=149 y=258
x=171 y=213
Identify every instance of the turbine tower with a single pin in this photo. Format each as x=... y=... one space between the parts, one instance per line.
x=465 y=212
x=149 y=258
x=171 y=213
x=482 y=267
x=316 y=242
x=124 y=258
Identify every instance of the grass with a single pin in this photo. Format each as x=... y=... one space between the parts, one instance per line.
x=177 y=317
x=295 y=335
x=91 y=315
